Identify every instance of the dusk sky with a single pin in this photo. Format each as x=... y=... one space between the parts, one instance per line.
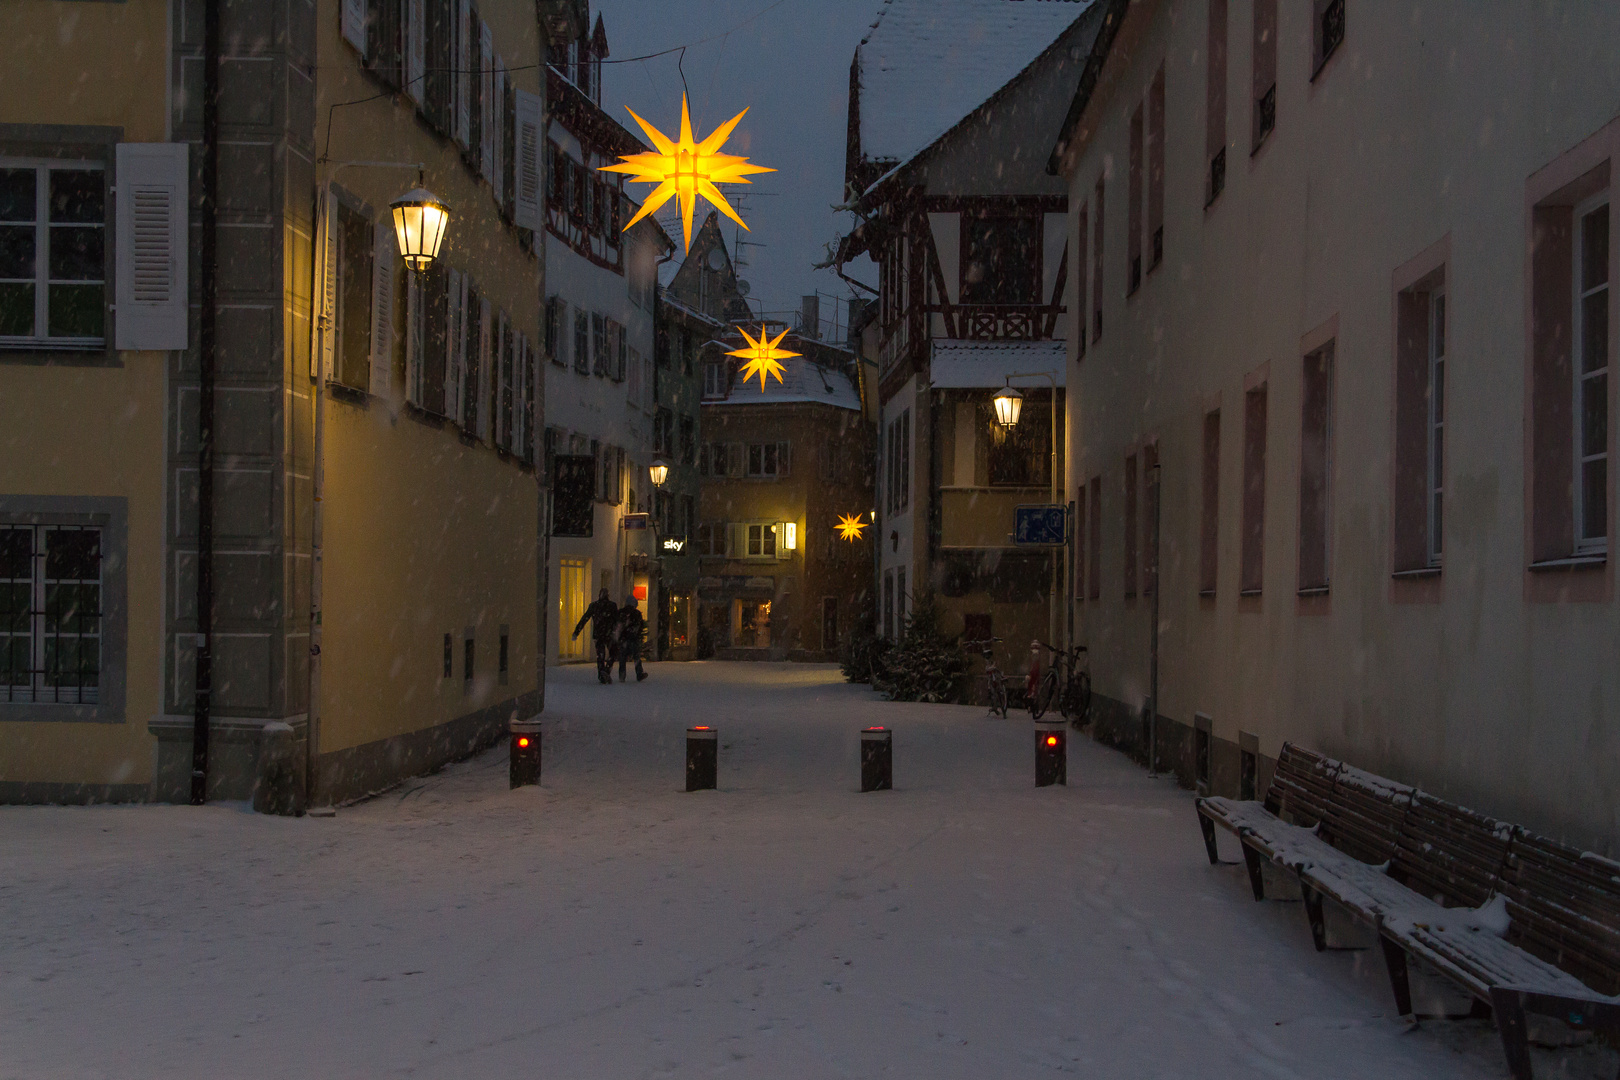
x=787 y=61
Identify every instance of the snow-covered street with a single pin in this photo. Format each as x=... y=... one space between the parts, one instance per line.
x=609 y=924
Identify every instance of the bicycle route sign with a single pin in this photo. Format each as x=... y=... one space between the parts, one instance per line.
x=1040 y=525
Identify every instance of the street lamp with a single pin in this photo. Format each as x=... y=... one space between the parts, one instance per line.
x=1009 y=403
x=659 y=473
x=420 y=219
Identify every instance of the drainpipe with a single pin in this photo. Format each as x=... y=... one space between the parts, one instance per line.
x=1153 y=630
x=205 y=406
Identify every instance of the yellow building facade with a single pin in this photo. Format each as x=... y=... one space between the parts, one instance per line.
x=407 y=401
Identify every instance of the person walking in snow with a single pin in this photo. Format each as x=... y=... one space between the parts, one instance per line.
x=603 y=615
x=631 y=627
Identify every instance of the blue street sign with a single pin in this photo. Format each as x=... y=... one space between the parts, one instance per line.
x=1040 y=525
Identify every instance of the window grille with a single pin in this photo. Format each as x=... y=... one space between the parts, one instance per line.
x=50 y=614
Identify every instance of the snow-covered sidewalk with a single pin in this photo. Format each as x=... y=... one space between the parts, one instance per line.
x=608 y=924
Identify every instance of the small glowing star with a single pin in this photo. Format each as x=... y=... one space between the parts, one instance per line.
x=850 y=526
x=686 y=169
x=763 y=356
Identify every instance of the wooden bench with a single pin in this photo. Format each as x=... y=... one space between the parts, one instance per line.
x=1523 y=924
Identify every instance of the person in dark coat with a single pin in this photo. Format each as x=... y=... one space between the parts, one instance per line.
x=603 y=615
x=631 y=628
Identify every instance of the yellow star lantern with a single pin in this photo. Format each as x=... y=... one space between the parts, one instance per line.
x=763 y=356
x=850 y=526
x=686 y=169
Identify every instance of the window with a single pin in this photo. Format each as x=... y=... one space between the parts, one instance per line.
x=1133 y=199
x=688 y=431
x=768 y=461
x=582 y=341
x=1130 y=526
x=827 y=460
x=712 y=460
x=503 y=665
x=1209 y=512
x=1155 y=169
x=1022 y=456
x=602 y=361
x=573 y=487
x=556 y=318
x=688 y=515
x=1001 y=260
x=449 y=656
x=1315 y=470
x=354 y=245
x=1097 y=269
x=1265 y=71
x=1591 y=406
x=1215 y=104
x=468 y=655
x=664 y=433
x=1418 y=500
x=1252 y=555
x=1082 y=243
x=1078 y=570
x=711 y=541
x=53 y=223
x=761 y=541
x=1094 y=571
x=899 y=462
x=1150 y=518
x=633 y=390
x=50 y=614
x=1328 y=31
x=1435 y=459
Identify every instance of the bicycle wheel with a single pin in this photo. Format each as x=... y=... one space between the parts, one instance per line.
x=1043 y=694
x=998 y=697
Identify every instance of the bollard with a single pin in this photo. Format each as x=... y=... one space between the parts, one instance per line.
x=702 y=758
x=280 y=786
x=877 y=759
x=1051 y=753
x=524 y=754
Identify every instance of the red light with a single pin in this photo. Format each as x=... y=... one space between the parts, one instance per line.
x=523 y=742
x=1051 y=740
x=701 y=727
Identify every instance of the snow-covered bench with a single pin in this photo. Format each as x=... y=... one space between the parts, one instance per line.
x=1523 y=924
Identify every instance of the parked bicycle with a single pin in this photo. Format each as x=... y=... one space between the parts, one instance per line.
x=1065 y=684
x=995 y=683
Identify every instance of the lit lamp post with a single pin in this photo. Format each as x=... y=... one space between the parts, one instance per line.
x=1009 y=404
x=659 y=472
x=420 y=222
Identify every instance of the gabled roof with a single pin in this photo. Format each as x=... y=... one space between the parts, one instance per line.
x=803 y=381
x=1113 y=15
x=701 y=284
x=927 y=64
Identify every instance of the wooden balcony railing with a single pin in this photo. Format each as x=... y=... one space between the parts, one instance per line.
x=1004 y=322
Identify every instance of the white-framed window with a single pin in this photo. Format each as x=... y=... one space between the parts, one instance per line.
x=50 y=614
x=711 y=541
x=714 y=380
x=761 y=541
x=1436 y=423
x=769 y=461
x=1591 y=372
x=53 y=242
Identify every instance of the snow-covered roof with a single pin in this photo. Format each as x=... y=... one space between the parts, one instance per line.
x=926 y=64
x=802 y=381
x=964 y=365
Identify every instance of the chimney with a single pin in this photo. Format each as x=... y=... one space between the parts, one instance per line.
x=810 y=317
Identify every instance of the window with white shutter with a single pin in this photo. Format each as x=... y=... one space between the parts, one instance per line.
x=455 y=344
x=352 y=17
x=527 y=135
x=501 y=115
x=466 y=56
x=413 y=339
x=325 y=328
x=384 y=260
x=150 y=295
x=416 y=50
x=486 y=358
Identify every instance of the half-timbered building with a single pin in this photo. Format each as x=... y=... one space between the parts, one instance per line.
x=968 y=231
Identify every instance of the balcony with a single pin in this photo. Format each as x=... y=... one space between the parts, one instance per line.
x=999 y=322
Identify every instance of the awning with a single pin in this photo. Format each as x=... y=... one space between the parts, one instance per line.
x=983 y=364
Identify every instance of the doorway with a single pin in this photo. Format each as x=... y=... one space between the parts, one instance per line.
x=829 y=623
x=753 y=624
x=572 y=599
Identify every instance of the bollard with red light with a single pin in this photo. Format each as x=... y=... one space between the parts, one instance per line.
x=702 y=758
x=877 y=759
x=524 y=770
x=1051 y=753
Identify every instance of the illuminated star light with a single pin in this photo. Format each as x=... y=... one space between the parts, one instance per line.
x=686 y=169
x=850 y=526
x=762 y=356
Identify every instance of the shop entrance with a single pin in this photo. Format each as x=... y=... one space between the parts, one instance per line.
x=753 y=623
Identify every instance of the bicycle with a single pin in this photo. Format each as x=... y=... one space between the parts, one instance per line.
x=995 y=683
x=1071 y=691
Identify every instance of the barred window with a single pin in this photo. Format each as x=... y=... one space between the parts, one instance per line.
x=50 y=614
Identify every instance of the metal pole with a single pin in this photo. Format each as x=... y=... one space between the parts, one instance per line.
x=317 y=525
x=205 y=406
x=1153 y=630
x=1052 y=616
